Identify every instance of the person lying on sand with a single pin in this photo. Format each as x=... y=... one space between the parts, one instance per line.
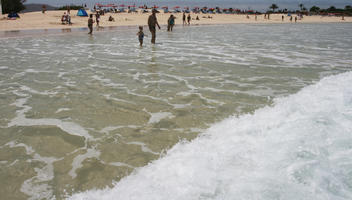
x=111 y=19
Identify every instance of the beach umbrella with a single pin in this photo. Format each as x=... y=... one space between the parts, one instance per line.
x=156 y=7
x=122 y=5
x=141 y=7
x=133 y=6
x=177 y=7
x=165 y=7
x=196 y=7
x=186 y=8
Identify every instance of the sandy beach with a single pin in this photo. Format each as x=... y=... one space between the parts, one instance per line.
x=52 y=20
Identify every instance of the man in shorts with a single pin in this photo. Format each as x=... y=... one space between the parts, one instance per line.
x=152 y=22
x=90 y=23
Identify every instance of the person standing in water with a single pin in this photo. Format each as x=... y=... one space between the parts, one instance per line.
x=189 y=19
x=90 y=23
x=152 y=22
x=140 y=35
x=184 y=18
x=170 y=23
x=97 y=17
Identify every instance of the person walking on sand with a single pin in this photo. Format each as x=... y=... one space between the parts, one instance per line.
x=43 y=9
x=184 y=18
x=296 y=19
x=189 y=19
x=152 y=22
x=282 y=18
x=90 y=23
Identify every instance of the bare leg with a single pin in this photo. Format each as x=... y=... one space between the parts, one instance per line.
x=153 y=37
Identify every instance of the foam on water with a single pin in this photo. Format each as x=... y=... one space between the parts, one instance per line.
x=21 y=120
x=300 y=148
x=77 y=161
x=37 y=187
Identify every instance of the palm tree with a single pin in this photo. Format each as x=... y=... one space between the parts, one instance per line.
x=273 y=6
x=332 y=8
x=314 y=9
x=301 y=6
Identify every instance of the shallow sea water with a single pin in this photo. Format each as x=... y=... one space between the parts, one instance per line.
x=80 y=112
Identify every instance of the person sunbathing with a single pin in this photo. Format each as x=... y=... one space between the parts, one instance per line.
x=111 y=19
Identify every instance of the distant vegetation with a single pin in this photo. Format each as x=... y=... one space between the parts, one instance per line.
x=72 y=7
x=10 y=6
x=315 y=10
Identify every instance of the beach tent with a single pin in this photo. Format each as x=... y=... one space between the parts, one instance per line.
x=13 y=16
x=132 y=8
x=176 y=9
x=82 y=13
x=196 y=10
x=122 y=8
x=166 y=9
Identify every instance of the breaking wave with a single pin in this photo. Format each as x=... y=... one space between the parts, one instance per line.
x=299 y=148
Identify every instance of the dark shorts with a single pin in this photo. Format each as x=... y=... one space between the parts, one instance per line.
x=152 y=28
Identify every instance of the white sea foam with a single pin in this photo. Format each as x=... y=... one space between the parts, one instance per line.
x=37 y=186
x=21 y=120
x=120 y=164
x=62 y=109
x=156 y=117
x=77 y=161
x=144 y=147
x=25 y=88
x=298 y=149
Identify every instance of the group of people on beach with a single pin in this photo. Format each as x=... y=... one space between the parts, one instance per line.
x=184 y=19
x=66 y=18
x=152 y=24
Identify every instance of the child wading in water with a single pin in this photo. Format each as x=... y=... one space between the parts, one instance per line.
x=140 y=35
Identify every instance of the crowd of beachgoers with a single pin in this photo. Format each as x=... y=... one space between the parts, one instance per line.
x=111 y=15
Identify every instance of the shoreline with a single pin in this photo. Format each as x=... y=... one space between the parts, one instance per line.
x=7 y=34
x=52 y=20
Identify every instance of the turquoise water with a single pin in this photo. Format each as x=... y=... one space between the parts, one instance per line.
x=81 y=112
